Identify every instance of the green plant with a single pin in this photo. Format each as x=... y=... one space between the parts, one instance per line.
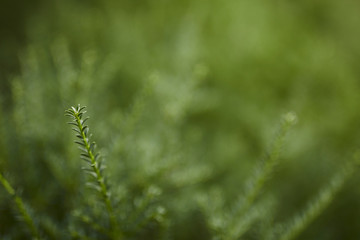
x=315 y=207
x=94 y=164
x=21 y=208
x=135 y=215
x=184 y=96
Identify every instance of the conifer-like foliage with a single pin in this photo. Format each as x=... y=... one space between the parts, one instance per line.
x=18 y=202
x=129 y=220
x=94 y=164
x=192 y=107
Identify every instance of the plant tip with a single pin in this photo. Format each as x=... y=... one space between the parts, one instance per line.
x=290 y=117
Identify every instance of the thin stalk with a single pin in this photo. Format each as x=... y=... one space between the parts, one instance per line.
x=87 y=147
x=269 y=163
x=317 y=206
x=21 y=208
x=262 y=174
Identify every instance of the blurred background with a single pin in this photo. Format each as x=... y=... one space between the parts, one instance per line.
x=205 y=81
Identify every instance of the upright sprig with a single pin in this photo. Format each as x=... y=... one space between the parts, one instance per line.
x=94 y=165
x=21 y=208
x=267 y=166
x=256 y=183
x=294 y=227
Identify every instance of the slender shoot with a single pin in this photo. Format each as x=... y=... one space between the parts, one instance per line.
x=93 y=160
x=21 y=208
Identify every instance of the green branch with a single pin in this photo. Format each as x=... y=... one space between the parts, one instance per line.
x=261 y=176
x=317 y=206
x=93 y=161
x=21 y=208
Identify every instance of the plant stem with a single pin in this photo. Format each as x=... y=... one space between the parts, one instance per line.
x=77 y=114
x=21 y=208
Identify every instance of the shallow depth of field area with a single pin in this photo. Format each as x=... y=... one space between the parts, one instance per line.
x=207 y=119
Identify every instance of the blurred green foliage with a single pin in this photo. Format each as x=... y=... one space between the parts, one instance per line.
x=185 y=98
